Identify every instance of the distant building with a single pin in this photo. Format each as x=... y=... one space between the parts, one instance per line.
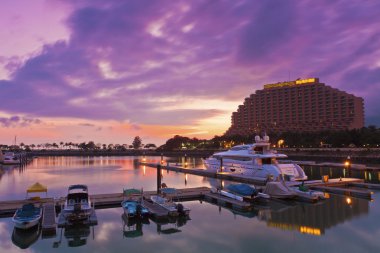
x=303 y=105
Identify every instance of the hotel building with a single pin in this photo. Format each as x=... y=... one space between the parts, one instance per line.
x=303 y=105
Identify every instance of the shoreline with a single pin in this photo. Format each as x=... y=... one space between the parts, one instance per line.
x=326 y=155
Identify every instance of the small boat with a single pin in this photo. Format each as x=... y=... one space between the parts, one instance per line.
x=78 y=204
x=279 y=190
x=303 y=191
x=27 y=217
x=173 y=208
x=10 y=158
x=133 y=208
x=244 y=192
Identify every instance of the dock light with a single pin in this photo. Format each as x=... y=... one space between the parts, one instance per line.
x=185 y=164
x=348 y=201
x=144 y=159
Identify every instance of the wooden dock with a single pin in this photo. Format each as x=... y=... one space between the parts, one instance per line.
x=228 y=202
x=48 y=220
x=155 y=210
x=207 y=173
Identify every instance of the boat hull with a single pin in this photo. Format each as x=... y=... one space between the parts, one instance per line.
x=27 y=222
x=132 y=210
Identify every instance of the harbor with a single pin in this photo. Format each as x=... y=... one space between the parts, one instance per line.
x=194 y=186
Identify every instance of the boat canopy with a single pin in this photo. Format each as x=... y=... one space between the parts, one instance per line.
x=243 y=189
x=131 y=191
x=37 y=187
x=169 y=190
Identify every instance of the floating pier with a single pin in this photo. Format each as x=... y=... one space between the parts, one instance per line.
x=228 y=202
x=49 y=225
x=207 y=173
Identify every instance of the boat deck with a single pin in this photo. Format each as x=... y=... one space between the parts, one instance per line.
x=91 y=221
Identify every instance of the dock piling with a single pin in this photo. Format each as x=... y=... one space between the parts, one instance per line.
x=158 y=178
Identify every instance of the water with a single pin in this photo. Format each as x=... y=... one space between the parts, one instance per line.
x=339 y=224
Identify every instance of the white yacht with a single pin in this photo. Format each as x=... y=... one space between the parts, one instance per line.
x=10 y=158
x=256 y=160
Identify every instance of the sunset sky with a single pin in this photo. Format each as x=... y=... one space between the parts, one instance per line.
x=106 y=71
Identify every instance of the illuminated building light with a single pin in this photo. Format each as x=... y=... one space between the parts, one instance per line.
x=310 y=231
x=291 y=83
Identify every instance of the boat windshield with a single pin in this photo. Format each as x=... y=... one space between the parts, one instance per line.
x=238 y=148
x=269 y=161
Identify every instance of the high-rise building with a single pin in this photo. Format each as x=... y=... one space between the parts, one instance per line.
x=303 y=105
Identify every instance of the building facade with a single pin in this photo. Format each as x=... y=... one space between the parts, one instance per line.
x=302 y=105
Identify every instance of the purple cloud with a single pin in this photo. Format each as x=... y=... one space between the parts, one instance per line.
x=17 y=121
x=124 y=57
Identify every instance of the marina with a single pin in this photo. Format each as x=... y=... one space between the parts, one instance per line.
x=193 y=190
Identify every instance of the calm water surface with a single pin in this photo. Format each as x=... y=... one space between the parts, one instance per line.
x=338 y=224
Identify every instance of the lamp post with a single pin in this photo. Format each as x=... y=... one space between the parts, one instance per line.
x=347 y=164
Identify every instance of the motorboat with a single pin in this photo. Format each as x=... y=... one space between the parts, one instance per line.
x=77 y=205
x=10 y=158
x=243 y=192
x=133 y=208
x=27 y=216
x=167 y=202
x=255 y=160
x=279 y=190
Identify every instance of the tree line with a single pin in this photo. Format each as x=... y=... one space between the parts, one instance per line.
x=91 y=145
x=368 y=137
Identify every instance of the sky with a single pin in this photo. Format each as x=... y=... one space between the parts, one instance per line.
x=107 y=71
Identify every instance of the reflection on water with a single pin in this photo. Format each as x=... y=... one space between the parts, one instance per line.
x=315 y=172
x=314 y=218
x=25 y=238
x=76 y=235
x=343 y=224
x=133 y=227
x=171 y=225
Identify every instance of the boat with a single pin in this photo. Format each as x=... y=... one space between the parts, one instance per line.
x=243 y=192
x=77 y=205
x=10 y=158
x=166 y=202
x=27 y=217
x=132 y=204
x=303 y=191
x=279 y=190
x=133 y=208
x=256 y=160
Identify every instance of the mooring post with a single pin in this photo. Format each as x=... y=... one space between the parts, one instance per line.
x=158 y=178
x=221 y=164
